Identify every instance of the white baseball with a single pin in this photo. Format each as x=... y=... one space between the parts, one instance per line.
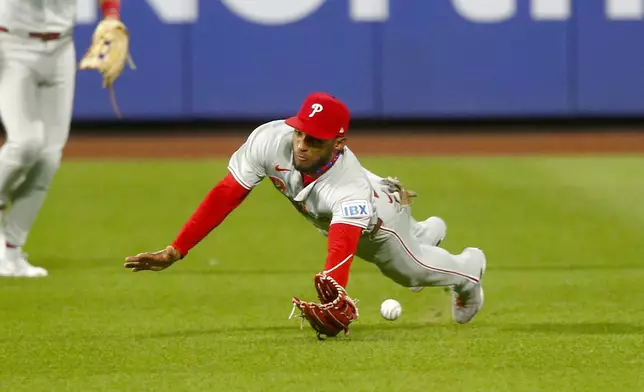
x=390 y=309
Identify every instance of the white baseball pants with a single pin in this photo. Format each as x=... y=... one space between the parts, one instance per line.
x=404 y=249
x=37 y=81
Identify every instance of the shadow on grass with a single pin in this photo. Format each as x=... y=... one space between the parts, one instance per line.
x=593 y=328
x=564 y=267
x=360 y=332
x=220 y=269
x=392 y=331
x=216 y=271
x=250 y=272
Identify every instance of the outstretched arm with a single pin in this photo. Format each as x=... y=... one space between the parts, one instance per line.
x=227 y=195
x=246 y=169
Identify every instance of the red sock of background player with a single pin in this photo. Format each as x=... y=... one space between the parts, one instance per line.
x=111 y=9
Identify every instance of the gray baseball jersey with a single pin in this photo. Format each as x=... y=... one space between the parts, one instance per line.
x=347 y=193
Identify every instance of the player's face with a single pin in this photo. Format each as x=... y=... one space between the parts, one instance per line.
x=310 y=154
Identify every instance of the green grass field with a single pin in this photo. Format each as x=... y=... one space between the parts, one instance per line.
x=564 y=299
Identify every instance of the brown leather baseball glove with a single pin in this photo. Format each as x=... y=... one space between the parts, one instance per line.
x=335 y=311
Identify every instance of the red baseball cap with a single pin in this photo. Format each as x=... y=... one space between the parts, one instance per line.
x=321 y=116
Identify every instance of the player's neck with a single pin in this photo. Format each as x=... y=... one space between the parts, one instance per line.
x=310 y=177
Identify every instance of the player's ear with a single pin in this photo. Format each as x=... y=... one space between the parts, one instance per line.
x=340 y=142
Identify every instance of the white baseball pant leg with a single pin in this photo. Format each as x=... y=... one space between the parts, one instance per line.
x=37 y=82
x=404 y=250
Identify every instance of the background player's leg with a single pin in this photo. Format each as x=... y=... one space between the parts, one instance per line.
x=56 y=111
x=19 y=109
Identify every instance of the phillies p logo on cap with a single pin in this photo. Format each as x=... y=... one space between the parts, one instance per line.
x=317 y=108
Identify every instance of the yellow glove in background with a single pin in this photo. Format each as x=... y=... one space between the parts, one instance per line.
x=108 y=53
x=109 y=50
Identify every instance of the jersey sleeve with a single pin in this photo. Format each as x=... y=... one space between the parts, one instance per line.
x=341 y=248
x=227 y=195
x=373 y=178
x=355 y=207
x=248 y=163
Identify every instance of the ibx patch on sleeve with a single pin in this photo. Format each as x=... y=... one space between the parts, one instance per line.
x=356 y=209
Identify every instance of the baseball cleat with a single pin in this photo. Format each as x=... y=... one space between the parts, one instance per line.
x=18 y=266
x=467 y=299
x=6 y=269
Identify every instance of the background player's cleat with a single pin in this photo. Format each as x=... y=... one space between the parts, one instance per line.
x=6 y=268
x=432 y=230
x=15 y=264
x=467 y=300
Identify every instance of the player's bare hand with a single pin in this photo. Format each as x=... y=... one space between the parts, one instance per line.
x=153 y=261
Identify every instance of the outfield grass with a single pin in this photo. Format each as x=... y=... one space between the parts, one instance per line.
x=563 y=307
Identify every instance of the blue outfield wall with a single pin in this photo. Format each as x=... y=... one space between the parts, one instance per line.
x=236 y=59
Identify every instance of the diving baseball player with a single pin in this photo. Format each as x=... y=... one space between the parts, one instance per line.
x=37 y=81
x=362 y=215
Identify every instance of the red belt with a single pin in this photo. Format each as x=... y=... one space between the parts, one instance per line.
x=40 y=36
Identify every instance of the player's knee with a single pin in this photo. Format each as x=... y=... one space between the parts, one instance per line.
x=28 y=150
x=45 y=168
